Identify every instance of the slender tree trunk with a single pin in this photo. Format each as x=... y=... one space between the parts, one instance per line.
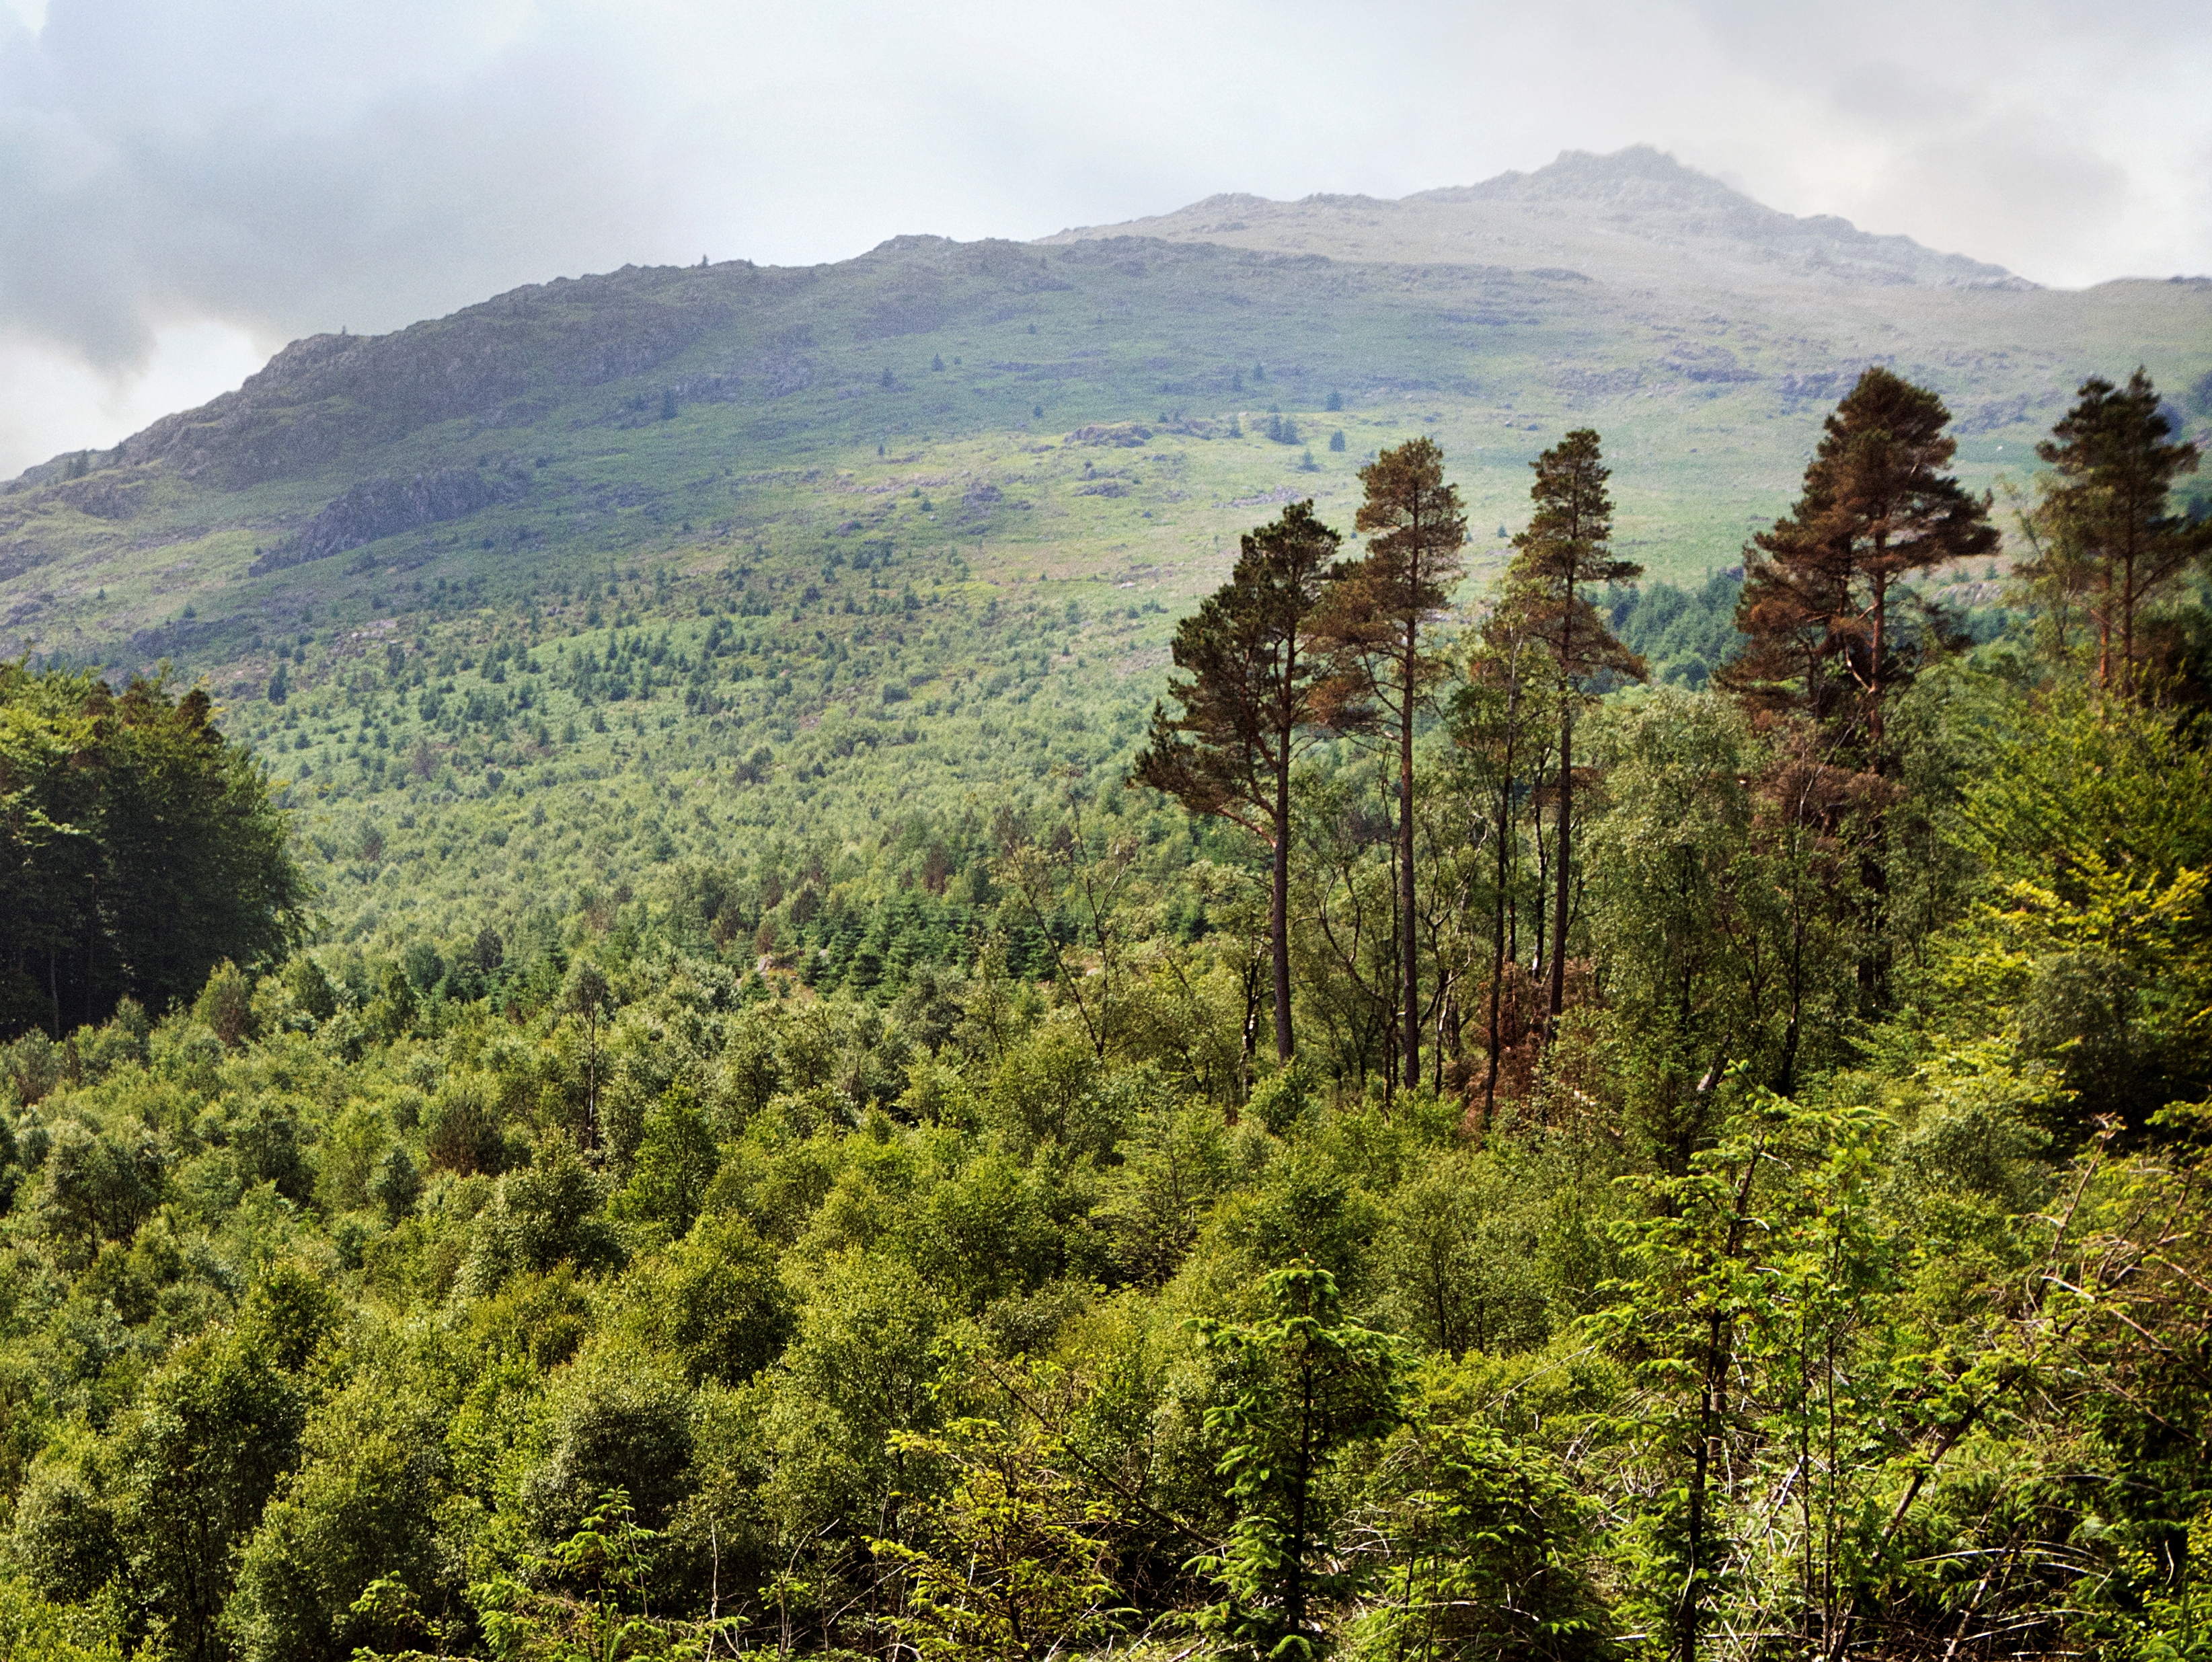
x=1294 y=1598
x=1498 y=944
x=1875 y=688
x=1873 y=867
x=2104 y=628
x=1278 y=911
x=1559 y=1002
x=1709 y=1408
x=1712 y=1409
x=2128 y=614
x=1410 y=1036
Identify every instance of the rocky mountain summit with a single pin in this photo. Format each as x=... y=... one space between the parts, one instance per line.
x=1241 y=351
x=1633 y=215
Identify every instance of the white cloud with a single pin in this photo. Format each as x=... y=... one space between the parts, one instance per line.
x=51 y=390
x=267 y=168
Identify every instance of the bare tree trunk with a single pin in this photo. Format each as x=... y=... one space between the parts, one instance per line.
x=1497 y=975
x=1559 y=999
x=1279 y=913
x=1408 y=973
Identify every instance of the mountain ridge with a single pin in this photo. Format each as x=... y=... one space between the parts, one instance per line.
x=1638 y=186
x=642 y=413
x=1640 y=192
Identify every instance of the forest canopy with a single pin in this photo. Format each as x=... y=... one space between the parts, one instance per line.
x=1497 y=1139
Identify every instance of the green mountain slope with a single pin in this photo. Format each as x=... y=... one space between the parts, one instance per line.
x=716 y=542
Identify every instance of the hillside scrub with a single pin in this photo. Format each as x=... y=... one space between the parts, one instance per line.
x=904 y=1237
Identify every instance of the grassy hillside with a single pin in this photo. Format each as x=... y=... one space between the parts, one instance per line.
x=887 y=538
x=765 y=1148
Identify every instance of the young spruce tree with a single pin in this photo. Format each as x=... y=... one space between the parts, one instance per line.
x=1376 y=625
x=1247 y=703
x=1566 y=551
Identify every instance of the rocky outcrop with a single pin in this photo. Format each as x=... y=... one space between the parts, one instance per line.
x=385 y=507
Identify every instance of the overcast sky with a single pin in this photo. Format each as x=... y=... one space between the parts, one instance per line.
x=183 y=189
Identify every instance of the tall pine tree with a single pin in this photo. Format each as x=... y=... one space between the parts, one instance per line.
x=1834 y=630
x=1248 y=698
x=1565 y=552
x=2108 y=543
x=1376 y=623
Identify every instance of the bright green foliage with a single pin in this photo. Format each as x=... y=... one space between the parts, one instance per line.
x=33 y=1630
x=2093 y=932
x=192 y=1466
x=674 y=1164
x=1762 y=1392
x=1310 y=1389
x=1489 y=1554
x=876 y=1228
x=599 y=1606
x=1013 y=1570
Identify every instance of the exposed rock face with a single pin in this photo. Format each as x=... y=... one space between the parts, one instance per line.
x=385 y=507
x=105 y=497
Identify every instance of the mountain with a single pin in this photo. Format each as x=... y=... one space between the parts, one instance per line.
x=684 y=417
x=1625 y=218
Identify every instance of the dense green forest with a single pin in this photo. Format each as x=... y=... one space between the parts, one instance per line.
x=1656 y=1121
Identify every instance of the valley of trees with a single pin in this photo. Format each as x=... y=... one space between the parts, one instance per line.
x=1663 y=1125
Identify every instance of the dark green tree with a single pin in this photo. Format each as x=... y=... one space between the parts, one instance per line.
x=138 y=848
x=1566 y=552
x=2108 y=543
x=1248 y=694
x=1833 y=631
x=1376 y=625
x=1500 y=720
